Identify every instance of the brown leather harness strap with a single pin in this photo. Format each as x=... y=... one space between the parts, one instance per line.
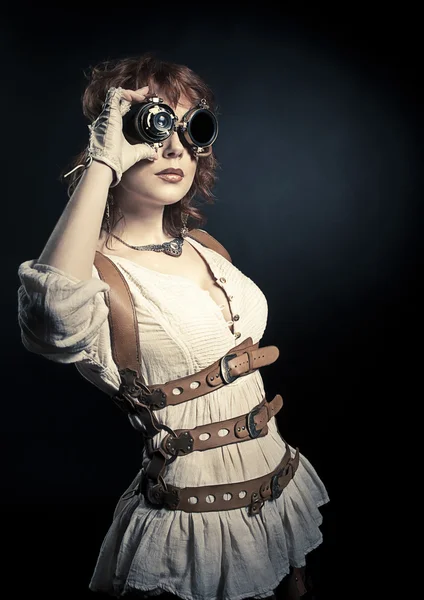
x=241 y=360
x=123 y=326
x=252 y=493
x=204 y=238
x=185 y=441
x=244 y=427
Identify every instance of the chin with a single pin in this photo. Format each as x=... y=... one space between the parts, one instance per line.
x=169 y=191
x=170 y=197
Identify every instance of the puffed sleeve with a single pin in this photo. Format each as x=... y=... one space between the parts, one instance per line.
x=60 y=316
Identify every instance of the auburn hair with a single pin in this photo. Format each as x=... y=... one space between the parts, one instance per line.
x=173 y=80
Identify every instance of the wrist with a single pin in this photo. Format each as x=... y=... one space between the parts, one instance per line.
x=104 y=170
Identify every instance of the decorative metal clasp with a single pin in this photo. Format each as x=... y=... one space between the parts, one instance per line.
x=160 y=496
x=127 y=398
x=154 y=398
x=225 y=369
x=182 y=444
x=133 y=392
x=276 y=488
x=251 y=425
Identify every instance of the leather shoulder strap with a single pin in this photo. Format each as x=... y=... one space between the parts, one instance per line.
x=205 y=238
x=124 y=338
x=123 y=325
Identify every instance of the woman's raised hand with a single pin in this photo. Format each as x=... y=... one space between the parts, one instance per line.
x=107 y=142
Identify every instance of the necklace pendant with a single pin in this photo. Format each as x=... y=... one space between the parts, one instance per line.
x=173 y=248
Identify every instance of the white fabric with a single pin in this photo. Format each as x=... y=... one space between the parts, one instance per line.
x=221 y=555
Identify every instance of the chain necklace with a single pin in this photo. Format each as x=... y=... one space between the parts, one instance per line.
x=173 y=248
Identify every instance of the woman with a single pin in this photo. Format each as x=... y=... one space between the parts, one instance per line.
x=192 y=307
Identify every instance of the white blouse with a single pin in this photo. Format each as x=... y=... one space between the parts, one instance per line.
x=220 y=555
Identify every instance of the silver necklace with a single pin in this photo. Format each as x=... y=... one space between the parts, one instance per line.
x=173 y=248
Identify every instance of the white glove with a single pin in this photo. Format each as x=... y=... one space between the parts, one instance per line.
x=107 y=142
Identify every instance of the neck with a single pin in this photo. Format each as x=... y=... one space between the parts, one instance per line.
x=138 y=236
x=142 y=227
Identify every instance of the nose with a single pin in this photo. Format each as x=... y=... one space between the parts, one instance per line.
x=172 y=146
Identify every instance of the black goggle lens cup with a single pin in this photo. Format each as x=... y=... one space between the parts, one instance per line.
x=203 y=128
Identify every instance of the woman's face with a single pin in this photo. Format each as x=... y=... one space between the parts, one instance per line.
x=142 y=178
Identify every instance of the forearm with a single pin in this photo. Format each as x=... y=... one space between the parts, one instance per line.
x=72 y=245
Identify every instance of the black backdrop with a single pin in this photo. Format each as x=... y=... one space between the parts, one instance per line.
x=317 y=202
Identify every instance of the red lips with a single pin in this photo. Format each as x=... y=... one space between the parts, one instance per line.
x=171 y=172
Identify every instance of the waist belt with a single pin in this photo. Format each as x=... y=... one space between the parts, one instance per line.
x=244 y=427
x=184 y=441
x=241 y=360
x=252 y=493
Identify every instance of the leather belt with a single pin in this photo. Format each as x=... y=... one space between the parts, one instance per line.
x=252 y=493
x=184 y=441
x=244 y=427
x=239 y=361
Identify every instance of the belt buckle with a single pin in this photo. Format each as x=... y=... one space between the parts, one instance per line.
x=276 y=488
x=225 y=369
x=251 y=425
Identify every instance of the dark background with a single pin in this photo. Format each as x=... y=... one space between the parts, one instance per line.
x=318 y=201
